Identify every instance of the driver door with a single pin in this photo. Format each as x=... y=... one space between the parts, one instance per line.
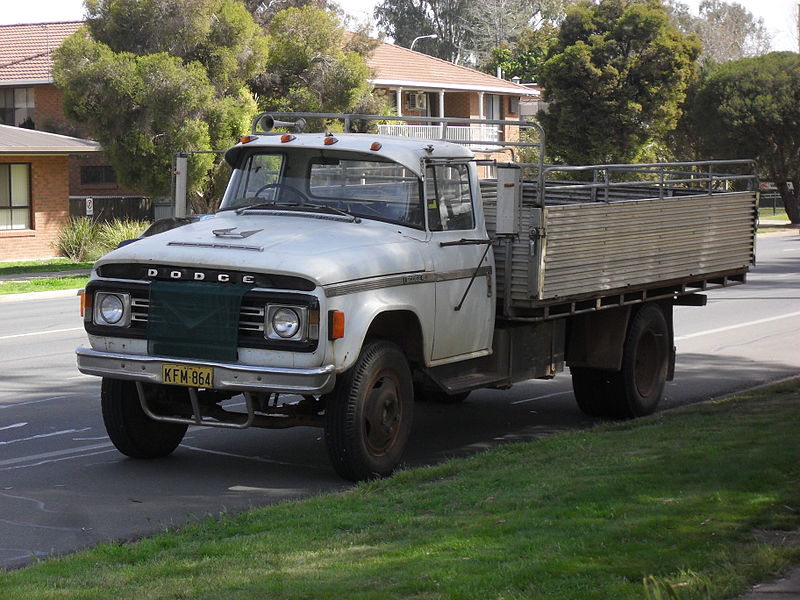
x=462 y=260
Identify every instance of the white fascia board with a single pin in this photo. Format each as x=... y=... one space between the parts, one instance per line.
x=24 y=82
x=428 y=85
x=46 y=151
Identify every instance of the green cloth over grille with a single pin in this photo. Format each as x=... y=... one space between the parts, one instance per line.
x=194 y=320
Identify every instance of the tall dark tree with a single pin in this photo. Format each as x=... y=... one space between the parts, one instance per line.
x=151 y=79
x=311 y=66
x=615 y=79
x=750 y=108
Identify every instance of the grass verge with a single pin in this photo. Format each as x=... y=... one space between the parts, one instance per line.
x=768 y=215
x=42 y=266
x=701 y=501
x=43 y=285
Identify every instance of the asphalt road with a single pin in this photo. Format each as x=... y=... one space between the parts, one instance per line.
x=64 y=487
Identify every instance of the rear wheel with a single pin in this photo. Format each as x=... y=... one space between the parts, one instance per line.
x=636 y=389
x=368 y=414
x=131 y=431
x=593 y=392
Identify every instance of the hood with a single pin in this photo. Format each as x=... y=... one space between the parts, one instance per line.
x=324 y=249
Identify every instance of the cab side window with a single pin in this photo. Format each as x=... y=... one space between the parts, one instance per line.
x=448 y=197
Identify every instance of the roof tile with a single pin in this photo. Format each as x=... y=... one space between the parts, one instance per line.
x=398 y=66
x=26 y=50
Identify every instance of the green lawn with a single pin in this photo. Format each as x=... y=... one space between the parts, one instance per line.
x=31 y=267
x=41 y=266
x=766 y=214
x=43 y=285
x=699 y=501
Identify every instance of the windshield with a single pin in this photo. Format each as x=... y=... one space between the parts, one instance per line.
x=368 y=188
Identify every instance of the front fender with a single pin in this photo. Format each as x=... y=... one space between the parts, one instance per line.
x=362 y=309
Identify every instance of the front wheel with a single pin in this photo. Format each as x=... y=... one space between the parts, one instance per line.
x=368 y=414
x=131 y=431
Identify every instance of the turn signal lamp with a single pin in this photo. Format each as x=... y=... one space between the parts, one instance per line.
x=330 y=140
x=246 y=139
x=376 y=146
x=287 y=137
x=86 y=302
x=335 y=324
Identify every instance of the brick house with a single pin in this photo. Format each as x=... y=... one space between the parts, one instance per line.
x=29 y=100
x=416 y=84
x=34 y=186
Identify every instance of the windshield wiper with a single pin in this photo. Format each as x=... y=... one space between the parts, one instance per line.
x=306 y=206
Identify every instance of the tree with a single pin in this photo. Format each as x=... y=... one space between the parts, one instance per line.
x=151 y=79
x=495 y=23
x=523 y=59
x=310 y=68
x=727 y=29
x=403 y=20
x=467 y=30
x=615 y=79
x=750 y=108
x=264 y=11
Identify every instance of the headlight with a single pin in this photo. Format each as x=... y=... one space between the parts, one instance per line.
x=286 y=322
x=112 y=309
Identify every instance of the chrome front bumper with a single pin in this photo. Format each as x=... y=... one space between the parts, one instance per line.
x=240 y=378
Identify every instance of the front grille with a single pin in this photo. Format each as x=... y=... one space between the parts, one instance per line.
x=251 y=315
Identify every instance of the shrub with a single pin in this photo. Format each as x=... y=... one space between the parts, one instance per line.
x=83 y=239
x=112 y=233
x=77 y=240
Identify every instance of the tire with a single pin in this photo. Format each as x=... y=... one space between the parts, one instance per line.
x=131 y=431
x=593 y=392
x=368 y=415
x=637 y=388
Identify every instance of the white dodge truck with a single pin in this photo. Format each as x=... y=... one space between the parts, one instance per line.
x=346 y=274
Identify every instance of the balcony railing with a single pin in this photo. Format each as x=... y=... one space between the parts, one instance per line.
x=455 y=133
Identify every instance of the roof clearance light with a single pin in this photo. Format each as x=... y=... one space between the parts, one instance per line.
x=330 y=140
x=287 y=137
x=246 y=139
x=376 y=146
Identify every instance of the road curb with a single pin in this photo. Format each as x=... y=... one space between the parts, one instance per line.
x=786 y=588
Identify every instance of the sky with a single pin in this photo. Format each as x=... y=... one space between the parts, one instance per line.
x=779 y=15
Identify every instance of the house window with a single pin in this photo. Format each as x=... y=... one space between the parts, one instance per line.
x=15 y=196
x=17 y=107
x=491 y=106
x=513 y=105
x=98 y=175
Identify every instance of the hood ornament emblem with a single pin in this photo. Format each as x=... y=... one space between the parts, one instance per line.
x=231 y=232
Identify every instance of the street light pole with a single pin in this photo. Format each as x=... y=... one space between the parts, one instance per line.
x=432 y=36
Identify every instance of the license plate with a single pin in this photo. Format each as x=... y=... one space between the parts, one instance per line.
x=187 y=375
